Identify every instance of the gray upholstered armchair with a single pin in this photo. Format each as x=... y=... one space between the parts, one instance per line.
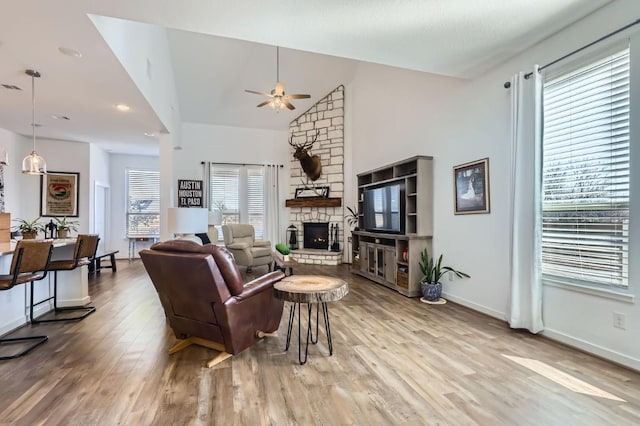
x=247 y=251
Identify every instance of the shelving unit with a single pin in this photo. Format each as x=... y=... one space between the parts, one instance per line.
x=380 y=257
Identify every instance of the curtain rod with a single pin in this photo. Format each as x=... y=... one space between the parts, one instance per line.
x=507 y=84
x=241 y=164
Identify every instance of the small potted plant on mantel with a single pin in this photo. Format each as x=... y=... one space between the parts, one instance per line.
x=65 y=226
x=432 y=272
x=29 y=228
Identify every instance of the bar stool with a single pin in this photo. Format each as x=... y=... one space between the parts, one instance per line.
x=84 y=250
x=29 y=264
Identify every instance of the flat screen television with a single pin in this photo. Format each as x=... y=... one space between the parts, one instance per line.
x=383 y=209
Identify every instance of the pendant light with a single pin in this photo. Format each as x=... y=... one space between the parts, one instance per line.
x=33 y=164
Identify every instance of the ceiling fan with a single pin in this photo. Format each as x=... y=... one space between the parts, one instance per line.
x=278 y=99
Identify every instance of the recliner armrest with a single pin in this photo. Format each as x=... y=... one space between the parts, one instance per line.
x=261 y=243
x=238 y=246
x=258 y=285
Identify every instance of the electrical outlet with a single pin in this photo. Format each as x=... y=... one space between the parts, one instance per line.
x=450 y=276
x=349 y=239
x=619 y=321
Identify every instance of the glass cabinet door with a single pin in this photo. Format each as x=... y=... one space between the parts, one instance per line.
x=371 y=257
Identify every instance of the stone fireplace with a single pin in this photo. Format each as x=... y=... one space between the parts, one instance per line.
x=326 y=119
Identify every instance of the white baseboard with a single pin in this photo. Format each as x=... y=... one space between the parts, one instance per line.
x=476 y=307
x=583 y=345
x=5 y=328
x=594 y=349
x=68 y=303
x=22 y=320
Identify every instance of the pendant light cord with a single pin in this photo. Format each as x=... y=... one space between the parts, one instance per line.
x=33 y=110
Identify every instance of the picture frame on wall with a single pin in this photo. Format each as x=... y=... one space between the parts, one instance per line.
x=59 y=194
x=471 y=187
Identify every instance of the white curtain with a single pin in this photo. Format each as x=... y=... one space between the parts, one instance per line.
x=272 y=206
x=526 y=157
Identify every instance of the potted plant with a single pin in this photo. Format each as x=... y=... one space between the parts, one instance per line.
x=432 y=271
x=352 y=218
x=64 y=226
x=29 y=228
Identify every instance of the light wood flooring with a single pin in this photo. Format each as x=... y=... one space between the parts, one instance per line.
x=396 y=361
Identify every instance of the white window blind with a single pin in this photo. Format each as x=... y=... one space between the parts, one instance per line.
x=225 y=193
x=143 y=202
x=585 y=203
x=237 y=195
x=255 y=200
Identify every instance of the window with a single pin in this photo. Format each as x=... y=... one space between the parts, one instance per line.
x=585 y=176
x=143 y=202
x=237 y=195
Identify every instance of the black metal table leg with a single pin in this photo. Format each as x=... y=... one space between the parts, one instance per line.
x=314 y=341
x=292 y=314
x=309 y=325
x=327 y=326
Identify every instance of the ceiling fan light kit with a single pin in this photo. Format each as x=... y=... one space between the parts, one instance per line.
x=33 y=164
x=278 y=99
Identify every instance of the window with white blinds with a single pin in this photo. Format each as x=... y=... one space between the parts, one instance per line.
x=255 y=200
x=585 y=176
x=143 y=202
x=237 y=195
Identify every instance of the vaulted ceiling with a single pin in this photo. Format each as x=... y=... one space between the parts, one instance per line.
x=220 y=48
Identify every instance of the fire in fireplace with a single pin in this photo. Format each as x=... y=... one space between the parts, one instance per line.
x=316 y=235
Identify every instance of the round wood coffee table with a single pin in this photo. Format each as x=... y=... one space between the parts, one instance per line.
x=310 y=289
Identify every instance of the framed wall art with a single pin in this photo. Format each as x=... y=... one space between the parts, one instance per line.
x=59 y=194
x=471 y=187
x=312 y=192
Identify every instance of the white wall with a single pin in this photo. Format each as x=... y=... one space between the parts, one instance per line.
x=479 y=244
x=15 y=145
x=397 y=114
x=99 y=174
x=61 y=156
x=118 y=164
x=22 y=200
x=143 y=50
x=225 y=144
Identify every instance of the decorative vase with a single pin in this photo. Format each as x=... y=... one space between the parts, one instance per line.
x=29 y=235
x=63 y=233
x=431 y=292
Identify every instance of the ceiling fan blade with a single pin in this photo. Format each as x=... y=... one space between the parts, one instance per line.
x=264 y=103
x=288 y=104
x=299 y=96
x=257 y=93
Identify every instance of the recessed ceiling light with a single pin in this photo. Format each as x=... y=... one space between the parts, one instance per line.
x=70 y=52
x=123 y=107
x=60 y=117
x=149 y=134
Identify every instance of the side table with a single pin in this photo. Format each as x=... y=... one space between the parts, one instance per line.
x=310 y=289
x=279 y=262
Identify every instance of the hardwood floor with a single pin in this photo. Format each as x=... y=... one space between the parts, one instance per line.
x=396 y=361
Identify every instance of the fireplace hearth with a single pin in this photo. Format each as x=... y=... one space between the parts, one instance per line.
x=316 y=235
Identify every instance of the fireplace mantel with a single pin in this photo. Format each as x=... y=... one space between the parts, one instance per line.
x=313 y=202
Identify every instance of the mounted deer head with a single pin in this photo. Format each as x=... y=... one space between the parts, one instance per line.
x=311 y=164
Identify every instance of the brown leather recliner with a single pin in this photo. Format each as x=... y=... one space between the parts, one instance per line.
x=206 y=303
